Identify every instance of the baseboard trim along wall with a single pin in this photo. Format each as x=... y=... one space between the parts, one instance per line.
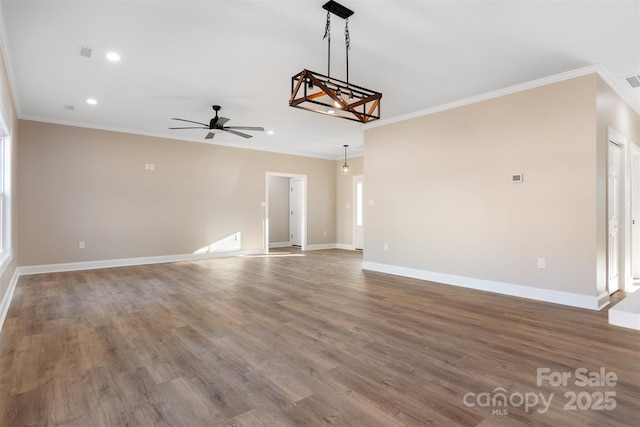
x=546 y=295
x=8 y=296
x=320 y=247
x=92 y=265
x=279 y=245
x=603 y=300
x=346 y=247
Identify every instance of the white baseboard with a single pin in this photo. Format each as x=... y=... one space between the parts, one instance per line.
x=320 y=247
x=345 y=246
x=92 y=265
x=330 y=246
x=8 y=296
x=538 y=294
x=279 y=245
x=603 y=300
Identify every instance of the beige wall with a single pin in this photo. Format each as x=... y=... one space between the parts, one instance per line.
x=344 y=200
x=7 y=109
x=278 y=209
x=89 y=185
x=444 y=201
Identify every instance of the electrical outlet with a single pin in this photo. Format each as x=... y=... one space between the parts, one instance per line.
x=81 y=244
x=542 y=263
x=386 y=246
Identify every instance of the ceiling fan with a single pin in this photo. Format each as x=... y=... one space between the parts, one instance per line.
x=218 y=123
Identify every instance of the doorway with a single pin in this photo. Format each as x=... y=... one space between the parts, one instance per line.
x=635 y=212
x=613 y=217
x=289 y=211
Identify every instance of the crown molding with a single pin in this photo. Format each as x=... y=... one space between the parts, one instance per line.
x=568 y=75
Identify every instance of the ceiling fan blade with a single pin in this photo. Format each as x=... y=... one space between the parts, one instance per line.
x=210 y=135
x=191 y=121
x=245 y=127
x=193 y=127
x=244 y=135
x=221 y=121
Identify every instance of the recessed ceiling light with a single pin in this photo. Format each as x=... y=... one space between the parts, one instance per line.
x=92 y=101
x=113 y=57
x=270 y=132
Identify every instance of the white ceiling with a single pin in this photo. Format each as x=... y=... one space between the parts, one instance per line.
x=181 y=57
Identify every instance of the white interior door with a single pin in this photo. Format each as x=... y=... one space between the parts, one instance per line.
x=295 y=203
x=613 y=213
x=358 y=228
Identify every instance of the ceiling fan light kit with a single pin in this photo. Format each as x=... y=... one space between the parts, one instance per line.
x=327 y=95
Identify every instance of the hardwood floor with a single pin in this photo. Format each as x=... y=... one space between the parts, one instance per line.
x=307 y=340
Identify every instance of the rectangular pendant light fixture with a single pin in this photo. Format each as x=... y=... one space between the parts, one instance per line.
x=324 y=94
x=316 y=92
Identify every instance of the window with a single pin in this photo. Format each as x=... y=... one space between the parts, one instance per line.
x=359 y=203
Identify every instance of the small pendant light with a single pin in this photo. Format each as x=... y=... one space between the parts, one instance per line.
x=345 y=167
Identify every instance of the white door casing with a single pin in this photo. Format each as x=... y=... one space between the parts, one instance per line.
x=295 y=203
x=635 y=211
x=613 y=216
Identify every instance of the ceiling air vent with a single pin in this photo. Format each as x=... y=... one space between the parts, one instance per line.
x=85 y=51
x=634 y=81
x=68 y=107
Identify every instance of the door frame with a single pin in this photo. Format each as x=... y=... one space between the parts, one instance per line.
x=624 y=258
x=303 y=214
x=634 y=163
x=616 y=264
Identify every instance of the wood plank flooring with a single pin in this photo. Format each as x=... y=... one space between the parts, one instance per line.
x=302 y=340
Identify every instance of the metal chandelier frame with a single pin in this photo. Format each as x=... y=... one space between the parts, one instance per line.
x=324 y=94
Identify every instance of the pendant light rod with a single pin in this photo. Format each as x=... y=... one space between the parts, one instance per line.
x=327 y=35
x=344 y=13
x=347 y=42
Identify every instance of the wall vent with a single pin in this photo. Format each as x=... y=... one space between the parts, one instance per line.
x=634 y=81
x=68 y=107
x=85 y=51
